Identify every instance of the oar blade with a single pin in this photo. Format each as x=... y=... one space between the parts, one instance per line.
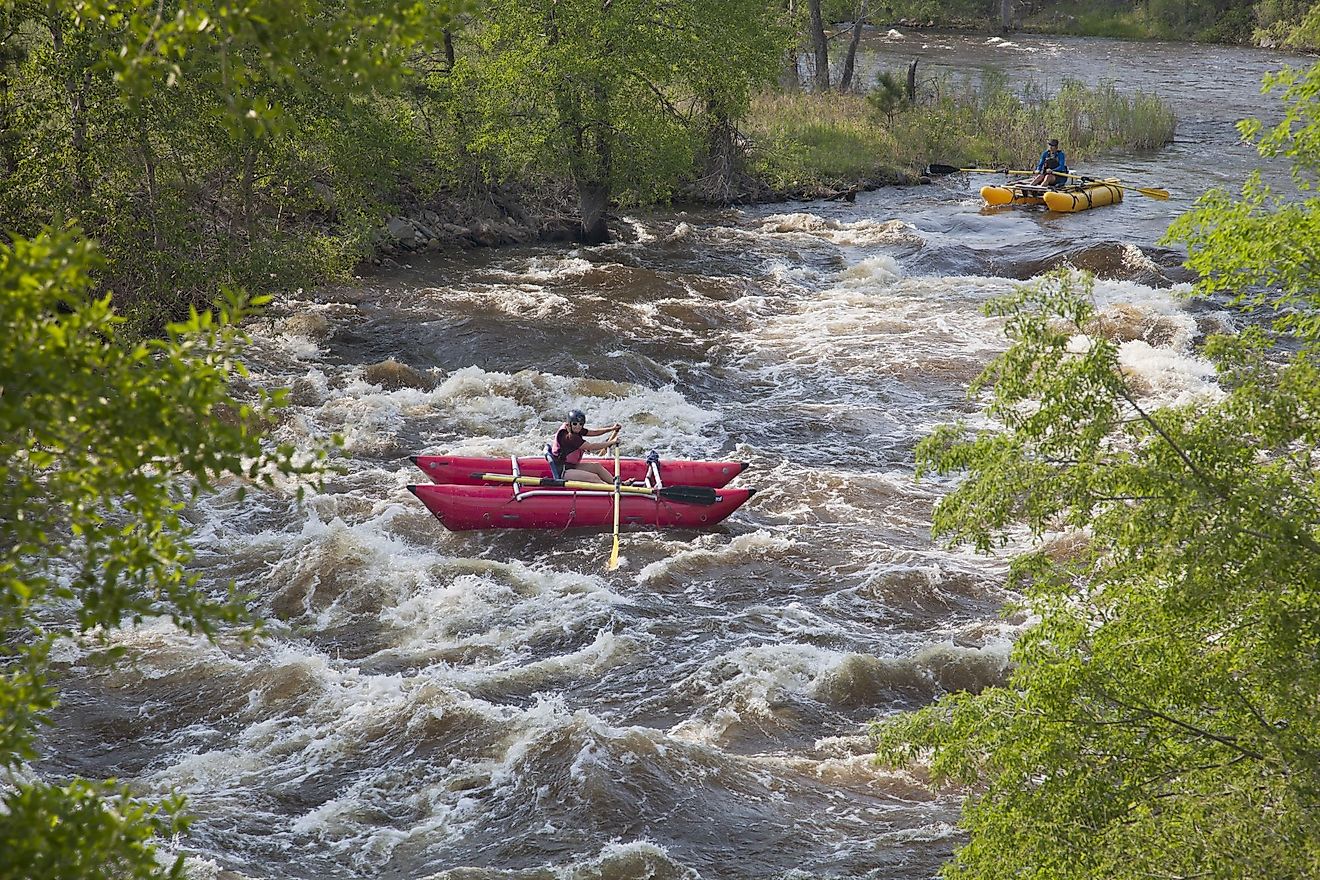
x=1151 y=191
x=689 y=494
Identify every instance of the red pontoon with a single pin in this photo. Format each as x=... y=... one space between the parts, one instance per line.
x=461 y=508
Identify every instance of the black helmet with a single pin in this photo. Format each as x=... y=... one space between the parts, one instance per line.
x=577 y=416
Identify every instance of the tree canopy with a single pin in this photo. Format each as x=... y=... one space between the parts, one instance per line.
x=191 y=135
x=105 y=434
x=620 y=95
x=1161 y=715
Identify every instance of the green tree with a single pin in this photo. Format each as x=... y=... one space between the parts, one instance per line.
x=1294 y=24
x=193 y=135
x=102 y=441
x=612 y=93
x=1160 y=719
x=105 y=438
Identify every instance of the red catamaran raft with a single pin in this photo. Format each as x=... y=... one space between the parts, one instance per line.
x=467 y=470
x=672 y=494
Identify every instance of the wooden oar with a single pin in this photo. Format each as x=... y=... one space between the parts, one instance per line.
x=949 y=169
x=618 y=502
x=683 y=494
x=1161 y=194
x=1153 y=192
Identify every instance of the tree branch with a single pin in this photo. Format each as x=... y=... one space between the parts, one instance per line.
x=1187 y=726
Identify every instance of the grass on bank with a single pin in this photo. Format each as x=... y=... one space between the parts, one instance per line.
x=1173 y=20
x=802 y=140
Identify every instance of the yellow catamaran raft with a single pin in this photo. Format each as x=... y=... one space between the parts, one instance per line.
x=1079 y=197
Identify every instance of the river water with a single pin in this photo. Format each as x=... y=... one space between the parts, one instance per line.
x=427 y=704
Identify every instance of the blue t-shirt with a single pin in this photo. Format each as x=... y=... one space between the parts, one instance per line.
x=1044 y=164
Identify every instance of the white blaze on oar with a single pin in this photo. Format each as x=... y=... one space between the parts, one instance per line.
x=618 y=502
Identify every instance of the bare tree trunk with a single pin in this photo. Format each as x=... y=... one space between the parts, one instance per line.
x=859 y=18
x=12 y=56
x=912 y=83
x=1007 y=12
x=790 y=77
x=592 y=165
x=249 y=178
x=721 y=160
x=593 y=200
x=820 y=46
x=76 y=94
x=149 y=165
x=8 y=137
x=450 y=58
x=586 y=118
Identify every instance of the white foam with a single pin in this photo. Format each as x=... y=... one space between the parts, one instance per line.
x=542 y=269
x=681 y=231
x=1174 y=377
x=640 y=232
x=872 y=324
x=1173 y=372
x=749 y=681
x=858 y=232
x=499 y=413
x=522 y=298
x=753 y=545
x=873 y=271
x=495 y=613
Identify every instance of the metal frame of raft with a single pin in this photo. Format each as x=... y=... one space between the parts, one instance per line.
x=460 y=470
x=1065 y=199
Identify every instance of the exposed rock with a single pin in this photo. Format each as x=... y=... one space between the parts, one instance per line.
x=484 y=234
x=392 y=375
x=304 y=393
x=400 y=229
x=310 y=324
x=557 y=229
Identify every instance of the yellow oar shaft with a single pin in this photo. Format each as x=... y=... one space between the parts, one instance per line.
x=618 y=502
x=565 y=484
x=994 y=171
x=1145 y=191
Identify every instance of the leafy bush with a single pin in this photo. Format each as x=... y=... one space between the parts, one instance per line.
x=982 y=121
x=1161 y=717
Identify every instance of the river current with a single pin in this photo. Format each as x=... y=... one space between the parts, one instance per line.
x=428 y=704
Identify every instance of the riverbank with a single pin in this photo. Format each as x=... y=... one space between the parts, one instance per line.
x=802 y=146
x=498 y=216
x=1269 y=24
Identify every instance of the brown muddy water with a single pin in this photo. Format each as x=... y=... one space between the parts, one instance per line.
x=427 y=704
